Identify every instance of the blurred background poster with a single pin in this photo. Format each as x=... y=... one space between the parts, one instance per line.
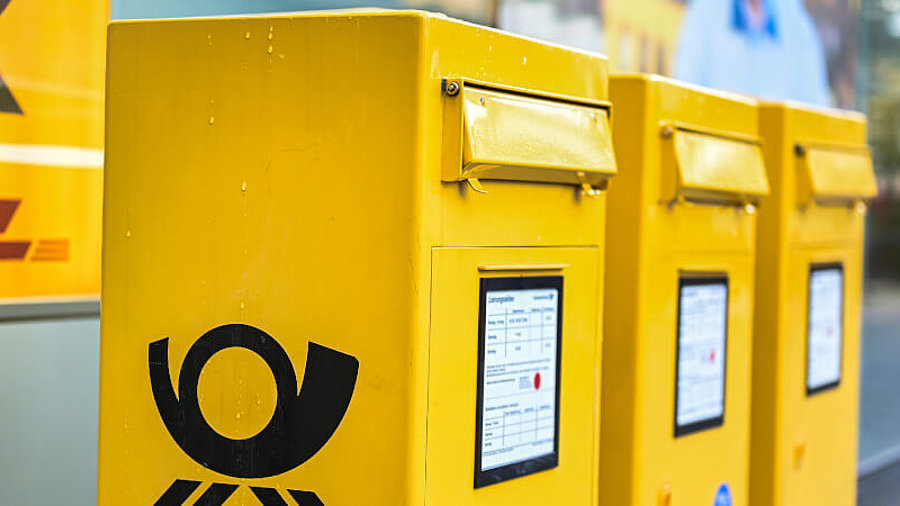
x=786 y=48
x=780 y=49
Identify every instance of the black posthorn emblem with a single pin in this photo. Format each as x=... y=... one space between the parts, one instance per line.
x=300 y=426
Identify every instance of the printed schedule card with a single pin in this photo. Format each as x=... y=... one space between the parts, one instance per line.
x=826 y=300
x=702 y=329
x=519 y=370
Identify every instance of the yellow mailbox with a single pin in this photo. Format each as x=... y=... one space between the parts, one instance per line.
x=675 y=423
x=351 y=258
x=809 y=293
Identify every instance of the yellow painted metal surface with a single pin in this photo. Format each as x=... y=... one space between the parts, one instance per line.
x=450 y=438
x=51 y=119
x=834 y=173
x=285 y=173
x=519 y=138
x=715 y=167
x=655 y=246
x=805 y=443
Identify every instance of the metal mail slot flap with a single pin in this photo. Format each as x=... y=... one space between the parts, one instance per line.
x=516 y=137
x=835 y=173
x=718 y=167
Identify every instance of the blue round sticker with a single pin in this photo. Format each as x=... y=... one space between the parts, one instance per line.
x=723 y=496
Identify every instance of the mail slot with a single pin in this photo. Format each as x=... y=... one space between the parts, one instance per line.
x=515 y=136
x=679 y=294
x=713 y=166
x=807 y=317
x=833 y=173
x=351 y=258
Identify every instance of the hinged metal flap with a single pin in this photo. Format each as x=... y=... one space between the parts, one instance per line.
x=835 y=173
x=718 y=166
x=517 y=137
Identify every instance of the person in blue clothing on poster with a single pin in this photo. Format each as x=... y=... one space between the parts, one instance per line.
x=767 y=48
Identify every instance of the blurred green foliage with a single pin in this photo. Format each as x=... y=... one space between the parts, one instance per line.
x=880 y=97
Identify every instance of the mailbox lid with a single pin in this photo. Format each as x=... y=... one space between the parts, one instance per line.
x=821 y=152
x=718 y=165
x=700 y=144
x=837 y=172
x=518 y=135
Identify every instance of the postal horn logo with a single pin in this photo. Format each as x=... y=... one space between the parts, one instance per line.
x=300 y=425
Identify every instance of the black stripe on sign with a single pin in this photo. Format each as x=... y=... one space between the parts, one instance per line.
x=8 y=102
x=216 y=494
x=268 y=496
x=305 y=498
x=177 y=493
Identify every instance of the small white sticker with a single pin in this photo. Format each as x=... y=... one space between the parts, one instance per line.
x=519 y=378
x=826 y=298
x=702 y=327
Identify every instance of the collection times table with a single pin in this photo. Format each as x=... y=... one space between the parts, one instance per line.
x=520 y=367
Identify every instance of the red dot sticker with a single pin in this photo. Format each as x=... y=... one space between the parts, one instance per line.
x=537 y=381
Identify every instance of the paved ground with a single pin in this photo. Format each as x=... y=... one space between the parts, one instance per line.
x=881 y=488
x=879 y=440
x=880 y=389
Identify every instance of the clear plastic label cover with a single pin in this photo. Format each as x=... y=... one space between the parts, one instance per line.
x=519 y=408
x=825 y=329
x=702 y=329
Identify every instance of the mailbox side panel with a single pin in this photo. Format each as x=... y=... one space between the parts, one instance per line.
x=620 y=418
x=771 y=272
x=261 y=171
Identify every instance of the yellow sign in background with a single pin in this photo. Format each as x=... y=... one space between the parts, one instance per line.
x=51 y=119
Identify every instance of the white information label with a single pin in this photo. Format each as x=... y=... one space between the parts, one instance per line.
x=702 y=328
x=826 y=297
x=519 y=377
